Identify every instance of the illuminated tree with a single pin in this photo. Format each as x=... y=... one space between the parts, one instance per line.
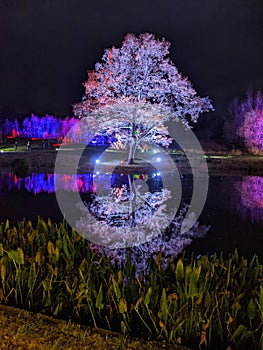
x=133 y=79
x=245 y=125
x=252 y=127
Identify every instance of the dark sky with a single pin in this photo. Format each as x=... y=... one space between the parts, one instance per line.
x=46 y=46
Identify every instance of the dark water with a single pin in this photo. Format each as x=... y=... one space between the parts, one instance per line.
x=233 y=209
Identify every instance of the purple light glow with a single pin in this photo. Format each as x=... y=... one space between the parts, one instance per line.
x=252 y=131
x=250 y=190
x=83 y=183
x=39 y=182
x=49 y=127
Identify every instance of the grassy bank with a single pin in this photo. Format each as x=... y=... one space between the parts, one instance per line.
x=208 y=302
x=23 y=330
x=24 y=163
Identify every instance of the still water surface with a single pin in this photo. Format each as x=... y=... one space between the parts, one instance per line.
x=233 y=209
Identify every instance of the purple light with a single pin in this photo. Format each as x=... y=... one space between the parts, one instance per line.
x=252 y=131
x=49 y=127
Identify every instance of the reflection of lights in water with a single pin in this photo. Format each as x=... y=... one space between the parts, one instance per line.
x=140 y=176
x=171 y=241
x=131 y=197
x=40 y=182
x=250 y=190
x=156 y=174
x=121 y=193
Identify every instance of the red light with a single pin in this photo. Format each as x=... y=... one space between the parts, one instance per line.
x=15 y=179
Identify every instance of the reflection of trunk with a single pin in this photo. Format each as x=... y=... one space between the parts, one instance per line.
x=133 y=206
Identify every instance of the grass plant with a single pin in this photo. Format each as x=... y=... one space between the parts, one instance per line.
x=210 y=302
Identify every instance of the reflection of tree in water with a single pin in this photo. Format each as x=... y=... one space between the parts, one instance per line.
x=124 y=208
x=250 y=190
x=124 y=211
x=171 y=242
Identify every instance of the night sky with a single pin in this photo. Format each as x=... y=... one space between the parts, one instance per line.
x=47 y=46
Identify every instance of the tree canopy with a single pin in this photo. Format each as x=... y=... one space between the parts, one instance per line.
x=135 y=90
x=141 y=70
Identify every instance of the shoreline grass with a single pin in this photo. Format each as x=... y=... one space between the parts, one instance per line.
x=210 y=302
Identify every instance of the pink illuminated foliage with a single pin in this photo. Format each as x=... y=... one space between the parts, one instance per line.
x=132 y=79
x=245 y=126
x=250 y=190
x=252 y=131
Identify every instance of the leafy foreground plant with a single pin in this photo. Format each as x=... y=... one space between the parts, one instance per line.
x=207 y=303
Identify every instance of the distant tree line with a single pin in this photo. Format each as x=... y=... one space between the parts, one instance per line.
x=39 y=127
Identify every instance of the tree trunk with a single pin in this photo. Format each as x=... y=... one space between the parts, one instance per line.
x=133 y=146
x=131 y=153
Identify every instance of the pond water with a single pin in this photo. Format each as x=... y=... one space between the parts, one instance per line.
x=233 y=209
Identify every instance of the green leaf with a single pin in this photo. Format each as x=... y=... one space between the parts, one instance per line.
x=65 y=246
x=116 y=288
x=7 y=226
x=164 y=306
x=239 y=332
x=148 y=297
x=50 y=248
x=20 y=256
x=179 y=271
x=1 y=250
x=99 y=305
x=187 y=276
x=139 y=301
x=122 y=306
x=124 y=328
x=57 y=309
x=17 y=256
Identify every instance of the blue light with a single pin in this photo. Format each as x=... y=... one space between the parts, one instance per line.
x=158 y=159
